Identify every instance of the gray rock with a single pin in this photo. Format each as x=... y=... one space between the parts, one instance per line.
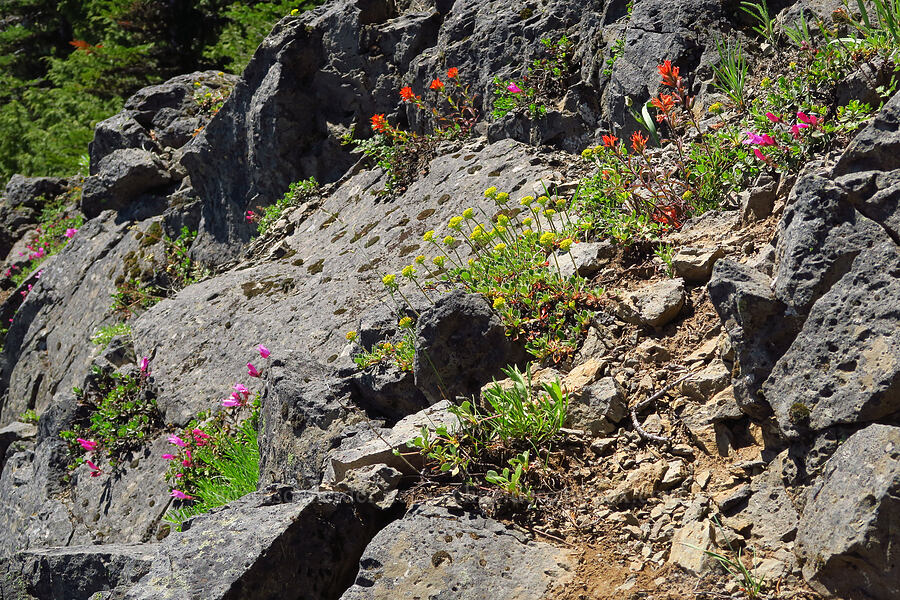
x=820 y=235
x=868 y=169
x=296 y=545
x=119 y=132
x=305 y=412
x=654 y=305
x=388 y=391
x=376 y=446
x=461 y=344
x=374 y=484
x=20 y=209
x=689 y=545
x=598 y=407
x=705 y=384
x=844 y=366
x=695 y=264
x=12 y=433
x=122 y=176
x=851 y=521
x=460 y=551
x=588 y=257
x=757 y=202
x=770 y=508
x=756 y=323
x=76 y=572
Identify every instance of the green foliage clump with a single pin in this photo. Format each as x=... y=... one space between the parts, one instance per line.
x=507 y=419
x=29 y=416
x=399 y=353
x=106 y=333
x=547 y=79
x=298 y=192
x=117 y=411
x=219 y=462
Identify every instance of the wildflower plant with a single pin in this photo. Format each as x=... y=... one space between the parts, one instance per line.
x=448 y=110
x=399 y=353
x=116 y=415
x=298 y=192
x=546 y=81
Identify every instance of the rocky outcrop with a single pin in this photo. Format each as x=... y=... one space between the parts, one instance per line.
x=851 y=522
x=281 y=544
x=21 y=206
x=432 y=550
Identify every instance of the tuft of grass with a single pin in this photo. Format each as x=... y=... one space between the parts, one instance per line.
x=765 y=23
x=298 y=192
x=223 y=470
x=105 y=334
x=731 y=71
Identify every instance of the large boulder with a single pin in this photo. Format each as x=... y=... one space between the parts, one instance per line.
x=850 y=526
x=435 y=552
x=844 y=366
x=461 y=344
x=21 y=205
x=77 y=572
x=284 y=544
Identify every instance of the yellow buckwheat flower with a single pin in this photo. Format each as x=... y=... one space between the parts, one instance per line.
x=455 y=223
x=351 y=335
x=587 y=153
x=527 y=221
x=542 y=200
x=419 y=259
x=499 y=302
x=438 y=260
x=500 y=247
x=526 y=200
x=408 y=271
x=565 y=244
x=449 y=240
x=502 y=198
x=547 y=238
x=502 y=220
x=429 y=235
x=469 y=213
x=389 y=279
x=490 y=192
x=405 y=322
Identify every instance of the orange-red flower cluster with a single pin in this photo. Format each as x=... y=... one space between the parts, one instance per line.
x=669 y=73
x=610 y=141
x=406 y=94
x=638 y=142
x=379 y=123
x=437 y=85
x=452 y=72
x=665 y=103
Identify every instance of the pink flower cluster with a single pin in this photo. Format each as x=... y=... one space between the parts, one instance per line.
x=90 y=446
x=804 y=121
x=197 y=437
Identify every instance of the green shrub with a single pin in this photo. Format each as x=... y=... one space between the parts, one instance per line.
x=106 y=333
x=298 y=192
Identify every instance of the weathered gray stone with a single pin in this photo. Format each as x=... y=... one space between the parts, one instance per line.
x=461 y=344
x=695 y=264
x=705 y=384
x=375 y=484
x=757 y=324
x=654 y=305
x=588 y=257
x=757 y=202
x=844 y=366
x=820 y=235
x=435 y=553
x=76 y=572
x=598 y=407
x=372 y=447
x=290 y=546
x=12 y=433
x=689 y=545
x=21 y=206
x=122 y=176
x=851 y=521
x=770 y=508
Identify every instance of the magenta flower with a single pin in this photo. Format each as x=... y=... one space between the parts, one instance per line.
x=180 y=495
x=240 y=389
x=795 y=129
x=251 y=370
x=179 y=475
x=760 y=155
x=263 y=351
x=812 y=120
x=145 y=366
x=772 y=117
x=512 y=87
x=250 y=216
x=95 y=470
x=187 y=461
x=87 y=444
x=39 y=273
x=174 y=439
x=230 y=402
x=169 y=456
x=761 y=140
x=200 y=437
x=70 y=232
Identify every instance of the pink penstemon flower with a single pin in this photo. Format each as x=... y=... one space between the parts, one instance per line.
x=241 y=389
x=512 y=87
x=188 y=458
x=70 y=232
x=759 y=139
x=772 y=117
x=145 y=366
x=95 y=470
x=263 y=351
x=180 y=495
x=88 y=445
x=251 y=370
x=169 y=456
x=231 y=402
x=200 y=437
x=810 y=120
x=174 y=439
